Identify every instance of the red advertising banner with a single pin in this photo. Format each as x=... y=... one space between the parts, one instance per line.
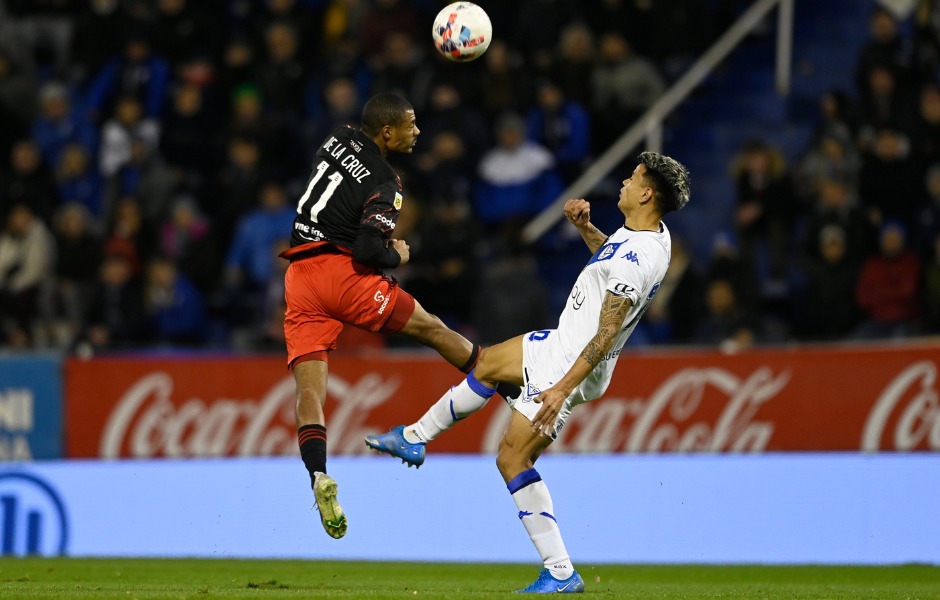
x=810 y=399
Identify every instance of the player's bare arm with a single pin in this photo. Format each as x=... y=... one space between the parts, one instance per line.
x=613 y=312
x=578 y=213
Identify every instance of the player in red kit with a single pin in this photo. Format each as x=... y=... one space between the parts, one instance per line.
x=341 y=241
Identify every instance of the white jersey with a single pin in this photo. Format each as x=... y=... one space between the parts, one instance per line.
x=630 y=264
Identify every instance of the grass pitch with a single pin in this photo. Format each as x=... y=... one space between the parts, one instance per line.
x=128 y=579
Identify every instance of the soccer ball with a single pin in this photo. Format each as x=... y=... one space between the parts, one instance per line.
x=462 y=31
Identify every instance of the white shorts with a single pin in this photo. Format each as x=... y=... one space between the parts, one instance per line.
x=543 y=363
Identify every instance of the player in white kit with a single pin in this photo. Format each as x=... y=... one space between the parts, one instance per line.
x=566 y=366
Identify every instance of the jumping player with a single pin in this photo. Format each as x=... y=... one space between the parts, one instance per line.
x=563 y=367
x=341 y=239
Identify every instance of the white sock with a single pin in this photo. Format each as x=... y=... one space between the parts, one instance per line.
x=460 y=401
x=538 y=517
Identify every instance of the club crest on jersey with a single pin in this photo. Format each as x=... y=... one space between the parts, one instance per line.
x=531 y=392
x=605 y=252
x=397 y=203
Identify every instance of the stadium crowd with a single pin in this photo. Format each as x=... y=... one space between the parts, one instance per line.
x=152 y=151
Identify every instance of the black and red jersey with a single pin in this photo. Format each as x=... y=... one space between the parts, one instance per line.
x=351 y=187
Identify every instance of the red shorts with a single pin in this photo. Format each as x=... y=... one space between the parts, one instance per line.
x=327 y=290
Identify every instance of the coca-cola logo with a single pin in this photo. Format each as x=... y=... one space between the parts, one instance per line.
x=147 y=421
x=670 y=419
x=910 y=402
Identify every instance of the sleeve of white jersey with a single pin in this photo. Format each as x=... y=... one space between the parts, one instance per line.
x=632 y=269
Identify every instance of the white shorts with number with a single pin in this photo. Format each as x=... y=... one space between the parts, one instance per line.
x=543 y=363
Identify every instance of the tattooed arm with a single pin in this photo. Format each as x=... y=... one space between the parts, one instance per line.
x=613 y=312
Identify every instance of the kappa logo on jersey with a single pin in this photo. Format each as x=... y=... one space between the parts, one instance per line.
x=605 y=252
x=398 y=200
x=632 y=257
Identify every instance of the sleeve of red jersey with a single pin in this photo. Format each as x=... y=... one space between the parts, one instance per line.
x=379 y=217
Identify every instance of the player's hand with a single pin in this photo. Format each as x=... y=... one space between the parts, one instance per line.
x=551 y=400
x=403 y=250
x=578 y=212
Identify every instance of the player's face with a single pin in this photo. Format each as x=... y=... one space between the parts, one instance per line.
x=404 y=136
x=634 y=188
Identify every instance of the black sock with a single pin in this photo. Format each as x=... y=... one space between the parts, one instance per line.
x=472 y=361
x=312 y=441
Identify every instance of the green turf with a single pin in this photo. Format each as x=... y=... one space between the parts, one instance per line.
x=34 y=578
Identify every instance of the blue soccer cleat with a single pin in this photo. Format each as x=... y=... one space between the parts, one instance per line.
x=394 y=443
x=546 y=584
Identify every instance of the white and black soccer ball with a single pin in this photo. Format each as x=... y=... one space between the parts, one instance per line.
x=462 y=31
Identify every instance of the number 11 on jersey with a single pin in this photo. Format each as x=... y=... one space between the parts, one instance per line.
x=334 y=180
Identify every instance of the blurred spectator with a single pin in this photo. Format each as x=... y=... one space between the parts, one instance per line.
x=96 y=37
x=27 y=258
x=884 y=104
x=278 y=142
x=28 y=180
x=129 y=236
x=343 y=60
x=443 y=269
x=561 y=125
x=890 y=186
x=78 y=247
x=116 y=311
x=932 y=290
x=572 y=68
x=445 y=169
x=505 y=83
x=384 y=18
x=147 y=178
x=248 y=262
x=447 y=111
x=886 y=47
x=136 y=72
x=188 y=137
x=14 y=117
x=17 y=89
x=118 y=133
x=829 y=310
x=340 y=105
x=498 y=315
x=42 y=29
x=926 y=138
x=518 y=178
x=888 y=290
x=623 y=85
x=174 y=310
x=837 y=118
x=58 y=125
x=767 y=207
x=928 y=223
x=729 y=263
x=78 y=180
x=266 y=334
x=677 y=307
x=238 y=67
x=537 y=28
x=833 y=204
x=282 y=74
x=726 y=324
x=402 y=68
x=183 y=28
x=239 y=182
x=830 y=157
x=187 y=238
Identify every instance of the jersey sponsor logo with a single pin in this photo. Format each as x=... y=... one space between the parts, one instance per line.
x=385 y=220
x=622 y=289
x=577 y=298
x=605 y=252
x=398 y=200
x=632 y=257
x=380 y=297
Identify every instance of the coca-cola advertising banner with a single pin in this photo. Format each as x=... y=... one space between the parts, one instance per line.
x=812 y=399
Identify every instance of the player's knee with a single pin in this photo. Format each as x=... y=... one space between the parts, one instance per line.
x=508 y=460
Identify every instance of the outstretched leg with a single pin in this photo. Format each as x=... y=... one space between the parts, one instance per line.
x=310 y=377
x=518 y=451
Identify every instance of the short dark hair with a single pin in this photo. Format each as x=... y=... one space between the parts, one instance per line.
x=669 y=180
x=383 y=109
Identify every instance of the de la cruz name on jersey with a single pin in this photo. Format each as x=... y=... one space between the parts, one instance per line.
x=351 y=185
